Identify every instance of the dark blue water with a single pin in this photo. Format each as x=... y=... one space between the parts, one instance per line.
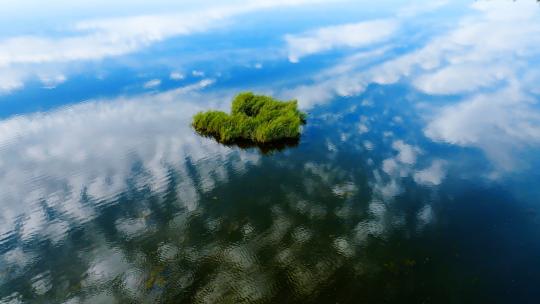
x=415 y=179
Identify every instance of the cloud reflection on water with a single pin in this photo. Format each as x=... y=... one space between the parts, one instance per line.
x=21 y=57
x=62 y=172
x=485 y=61
x=91 y=149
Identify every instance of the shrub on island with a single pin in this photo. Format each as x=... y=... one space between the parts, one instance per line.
x=256 y=118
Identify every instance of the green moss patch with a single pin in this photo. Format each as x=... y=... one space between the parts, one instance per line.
x=255 y=118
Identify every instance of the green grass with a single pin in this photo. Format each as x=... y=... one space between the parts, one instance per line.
x=256 y=118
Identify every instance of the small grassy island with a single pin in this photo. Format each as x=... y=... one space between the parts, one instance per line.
x=254 y=118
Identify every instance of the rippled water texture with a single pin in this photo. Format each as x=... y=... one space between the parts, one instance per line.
x=415 y=179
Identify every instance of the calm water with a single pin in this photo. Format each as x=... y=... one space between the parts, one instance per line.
x=416 y=179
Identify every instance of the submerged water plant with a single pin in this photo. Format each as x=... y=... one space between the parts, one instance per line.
x=255 y=118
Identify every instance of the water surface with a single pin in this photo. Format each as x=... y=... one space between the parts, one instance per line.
x=415 y=179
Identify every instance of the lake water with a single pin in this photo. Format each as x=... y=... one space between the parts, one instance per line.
x=416 y=179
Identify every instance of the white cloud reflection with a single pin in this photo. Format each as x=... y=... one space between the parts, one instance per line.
x=365 y=33
x=485 y=59
x=501 y=124
x=151 y=84
x=96 y=39
x=347 y=35
x=177 y=76
x=99 y=38
x=90 y=148
x=432 y=175
x=488 y=46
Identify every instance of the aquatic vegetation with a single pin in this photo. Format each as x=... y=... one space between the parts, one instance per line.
x=254 y=118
